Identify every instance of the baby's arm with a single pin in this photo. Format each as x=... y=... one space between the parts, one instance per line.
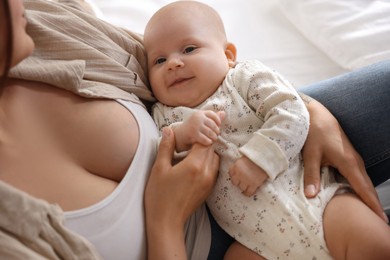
x=201 y=127
x=284 y=115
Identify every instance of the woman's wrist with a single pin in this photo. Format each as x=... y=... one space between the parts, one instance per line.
x=306 y=99
x=165 y=239
x=318 y=113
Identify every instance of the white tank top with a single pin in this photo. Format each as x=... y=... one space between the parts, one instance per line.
x=115 y=225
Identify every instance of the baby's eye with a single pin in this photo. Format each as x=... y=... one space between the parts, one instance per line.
x=189 y=49
x=160 y=60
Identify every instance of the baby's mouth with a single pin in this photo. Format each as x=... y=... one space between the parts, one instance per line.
x=179 y=81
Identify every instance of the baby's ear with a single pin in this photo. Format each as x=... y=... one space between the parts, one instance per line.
x=230 y=52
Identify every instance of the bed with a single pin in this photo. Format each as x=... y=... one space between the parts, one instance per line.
x=305 y=40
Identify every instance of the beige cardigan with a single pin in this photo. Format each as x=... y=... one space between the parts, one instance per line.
x=80 y=53
x=33 y=229
x=83 y=54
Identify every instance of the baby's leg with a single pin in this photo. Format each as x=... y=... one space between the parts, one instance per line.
x=353 y=231
x=238 y=251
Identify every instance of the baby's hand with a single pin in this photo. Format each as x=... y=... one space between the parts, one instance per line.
x=202 y=127
x=247 y=176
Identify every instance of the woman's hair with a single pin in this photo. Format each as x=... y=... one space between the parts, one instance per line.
x=8 y=46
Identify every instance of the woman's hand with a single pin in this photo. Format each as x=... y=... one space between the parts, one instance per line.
x=328 y=145
x=173 y=193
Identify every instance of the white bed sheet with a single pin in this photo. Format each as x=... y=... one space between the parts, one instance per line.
x=258 y=28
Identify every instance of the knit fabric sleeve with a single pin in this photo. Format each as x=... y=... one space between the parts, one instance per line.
x=285 y=117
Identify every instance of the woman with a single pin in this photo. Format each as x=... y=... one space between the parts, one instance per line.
x=79 y=156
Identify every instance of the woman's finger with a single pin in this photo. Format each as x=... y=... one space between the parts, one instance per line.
x=311 y=174
x=165 y=149
x=355 y=172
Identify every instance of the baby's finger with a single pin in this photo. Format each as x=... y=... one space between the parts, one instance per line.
x=215 y=117
x=250 y=191
x=234 y=179
x=205 y=139
x=221 y=115
x=210 y=131
x=243 y=187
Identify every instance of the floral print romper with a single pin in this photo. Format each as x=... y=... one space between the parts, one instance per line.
x=267 y=122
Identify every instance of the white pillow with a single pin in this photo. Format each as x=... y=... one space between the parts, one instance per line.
x=353 y=33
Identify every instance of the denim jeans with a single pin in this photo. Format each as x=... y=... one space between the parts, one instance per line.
x=360 y=100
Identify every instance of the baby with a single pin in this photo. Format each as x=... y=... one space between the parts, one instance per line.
x=258 y=124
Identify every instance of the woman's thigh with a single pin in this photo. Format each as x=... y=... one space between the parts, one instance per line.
x=360 y=100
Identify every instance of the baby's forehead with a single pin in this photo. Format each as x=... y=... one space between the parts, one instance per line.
x=183 y=14
x=191 y=11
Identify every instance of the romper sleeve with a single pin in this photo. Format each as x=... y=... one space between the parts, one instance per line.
x=285 y=117
x=165 y=116
x=158 y=116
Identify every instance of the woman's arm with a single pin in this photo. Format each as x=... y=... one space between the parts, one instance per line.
x=327 y=145
x=173 y=193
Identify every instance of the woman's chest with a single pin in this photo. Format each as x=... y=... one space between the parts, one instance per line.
x=52 y=137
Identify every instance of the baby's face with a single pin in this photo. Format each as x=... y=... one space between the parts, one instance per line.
x=186 y=60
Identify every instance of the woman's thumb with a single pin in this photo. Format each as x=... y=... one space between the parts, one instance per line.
x=166 y=147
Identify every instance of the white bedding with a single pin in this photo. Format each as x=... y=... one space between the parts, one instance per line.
x=287 y=35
